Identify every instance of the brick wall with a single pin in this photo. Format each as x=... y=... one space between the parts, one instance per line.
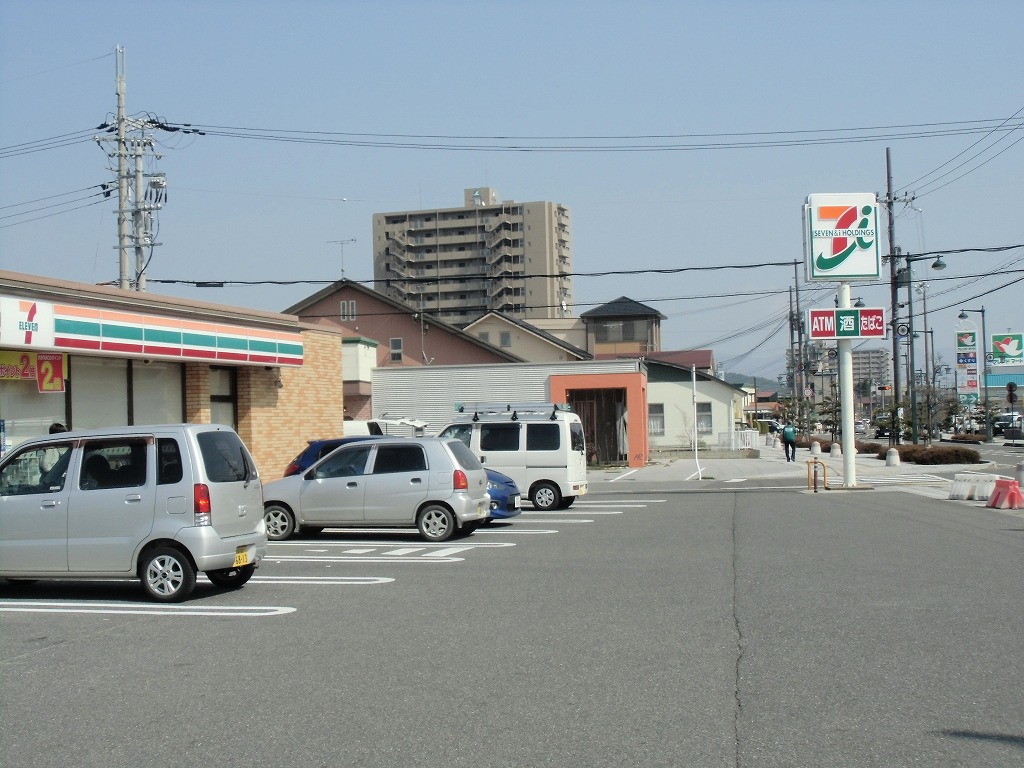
x=275 y=422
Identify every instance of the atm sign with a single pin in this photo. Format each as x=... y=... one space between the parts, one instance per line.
x=847 y=323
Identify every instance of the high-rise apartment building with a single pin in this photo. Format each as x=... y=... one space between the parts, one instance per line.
x=459 y=263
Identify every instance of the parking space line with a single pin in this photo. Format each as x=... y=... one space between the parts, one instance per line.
x=56 y=606
x=339 y=581
x=362 y=559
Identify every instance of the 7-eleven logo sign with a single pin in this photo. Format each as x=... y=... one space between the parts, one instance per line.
x=841 y=237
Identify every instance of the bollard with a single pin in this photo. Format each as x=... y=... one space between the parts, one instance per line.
x=836 y=451
x=812 y=474
x=892 y=457
x=815 y=448
x=1020 y=474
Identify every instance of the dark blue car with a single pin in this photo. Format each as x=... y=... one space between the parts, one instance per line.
x=317 y=449
x=505 y=495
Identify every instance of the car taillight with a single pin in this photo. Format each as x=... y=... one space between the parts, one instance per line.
x=291 y=469
x=460 y=481
x=201 y=504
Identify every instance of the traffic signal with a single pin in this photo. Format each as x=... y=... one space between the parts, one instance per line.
x=1011 y=392
x=884 y=388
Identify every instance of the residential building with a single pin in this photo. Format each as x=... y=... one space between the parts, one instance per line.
x=622 y=327
x=383 y=332
x=459 y=263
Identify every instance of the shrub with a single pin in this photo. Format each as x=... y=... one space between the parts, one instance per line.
x=968 y=437
x=944 y=454
x=951 y=454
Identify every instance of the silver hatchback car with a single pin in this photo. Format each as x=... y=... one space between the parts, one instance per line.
x=158 y=503
x=433 y=484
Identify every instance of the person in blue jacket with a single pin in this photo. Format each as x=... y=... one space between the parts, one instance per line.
x=789 y=440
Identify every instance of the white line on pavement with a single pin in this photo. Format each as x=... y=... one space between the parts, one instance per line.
x=51 y=606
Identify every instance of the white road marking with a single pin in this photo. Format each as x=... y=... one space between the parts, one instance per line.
x=372 y=546
x=624 y=475
x=549 y=521
x=359 y=559
x=55 y=606
x=570 y=512
x=340 y=581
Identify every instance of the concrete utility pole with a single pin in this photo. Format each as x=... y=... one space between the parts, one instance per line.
x=134 y=210
x=123 y=234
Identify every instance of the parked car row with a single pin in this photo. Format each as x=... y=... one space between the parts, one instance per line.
x=161 y=503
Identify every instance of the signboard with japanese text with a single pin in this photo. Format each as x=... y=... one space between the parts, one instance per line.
x=46 y=369
x=1007 y=349
x=852 y=323
x=968 y=389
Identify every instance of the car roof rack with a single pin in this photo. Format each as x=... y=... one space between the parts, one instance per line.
x=512 y=410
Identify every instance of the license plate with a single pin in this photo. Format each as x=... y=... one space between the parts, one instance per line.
x=241 y=556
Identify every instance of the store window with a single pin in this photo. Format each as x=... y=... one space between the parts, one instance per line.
x=26 y=412
x=99 y=392
x=223 y=396
x=157 y=392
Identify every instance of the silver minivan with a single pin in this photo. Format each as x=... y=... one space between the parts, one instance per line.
x=156 y=503
x=435 y=485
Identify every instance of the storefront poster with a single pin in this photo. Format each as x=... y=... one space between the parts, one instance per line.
x=45 y=368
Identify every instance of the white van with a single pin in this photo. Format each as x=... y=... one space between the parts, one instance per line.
x=539 y=445
x=400 y=427
x=155 y=503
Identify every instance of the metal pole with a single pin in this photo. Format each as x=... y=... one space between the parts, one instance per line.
x=846 y=397
x=911 y=364
x=984 y=374
x=895 y=301
x=800 y=345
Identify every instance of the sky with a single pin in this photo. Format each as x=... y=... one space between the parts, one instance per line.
x=683 y=137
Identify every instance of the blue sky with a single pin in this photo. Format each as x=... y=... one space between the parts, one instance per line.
x=735 y=72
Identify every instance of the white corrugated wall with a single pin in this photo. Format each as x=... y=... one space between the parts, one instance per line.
x=430 y=392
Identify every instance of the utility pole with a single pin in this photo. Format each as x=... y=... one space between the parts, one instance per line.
x=800 y=353
x=134 y=209
x=123 y=235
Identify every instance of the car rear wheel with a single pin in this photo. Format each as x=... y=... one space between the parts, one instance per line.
x=231 y=578
x=545 y=496
x=280 y=522
x=566 y=502
x=436 y=523
x=167 y=574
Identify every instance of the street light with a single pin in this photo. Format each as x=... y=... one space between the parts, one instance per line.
x=937 y=264
x=984 y=365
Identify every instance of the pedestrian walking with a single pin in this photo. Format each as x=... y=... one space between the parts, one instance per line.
x=789 y=440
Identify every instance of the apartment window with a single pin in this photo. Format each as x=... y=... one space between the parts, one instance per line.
x=506 y=339
x=485 y=337
x=396 y=350
x=347 y=310
x=656 y=419
x=704 y=426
